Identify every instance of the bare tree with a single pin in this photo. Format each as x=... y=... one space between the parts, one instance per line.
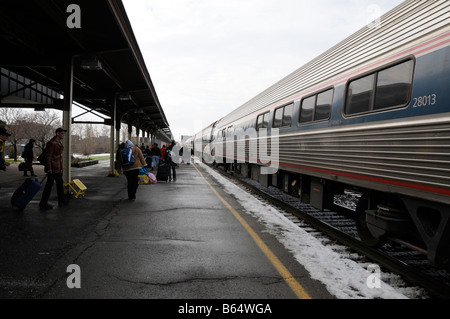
x=14 y=119
x=49 y=121
x=88 y=144
x=124 y=132
x=23 y=124
x=40 y=126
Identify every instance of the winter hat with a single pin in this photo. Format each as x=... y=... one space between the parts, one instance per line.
x=129 y=144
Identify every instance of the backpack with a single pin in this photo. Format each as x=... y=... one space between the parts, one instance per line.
x=41 y=158
x=168 y=156
x=127 y=156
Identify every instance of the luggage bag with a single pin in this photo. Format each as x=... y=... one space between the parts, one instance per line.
x=152 y=178
x=162 y=174
x=25 y=193
x=143 y=178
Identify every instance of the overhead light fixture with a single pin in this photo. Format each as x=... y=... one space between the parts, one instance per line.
x=124 y=97
x=91 y=63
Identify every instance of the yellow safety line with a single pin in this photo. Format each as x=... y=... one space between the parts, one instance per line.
x=287 y=276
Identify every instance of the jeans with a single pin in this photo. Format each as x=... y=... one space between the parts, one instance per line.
x=155 y=159
x=29 y=167
x=51 y=178
x=172 y=171
x=133 y=182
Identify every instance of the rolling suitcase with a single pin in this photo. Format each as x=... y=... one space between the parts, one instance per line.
x=162 y=174
x=25 y=193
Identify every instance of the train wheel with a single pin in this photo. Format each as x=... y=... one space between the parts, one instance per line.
x=363 y=231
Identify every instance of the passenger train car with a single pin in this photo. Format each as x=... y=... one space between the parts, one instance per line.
x=372 y=114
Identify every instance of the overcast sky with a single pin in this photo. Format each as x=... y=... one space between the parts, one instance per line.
x=208 y=57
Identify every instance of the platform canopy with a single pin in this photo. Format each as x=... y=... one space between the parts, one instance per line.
x=37 y=39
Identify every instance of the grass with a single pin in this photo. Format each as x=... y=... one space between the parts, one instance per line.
x=100 y=157
x=91 y=157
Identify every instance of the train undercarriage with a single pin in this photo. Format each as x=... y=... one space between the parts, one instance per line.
x=380 y=217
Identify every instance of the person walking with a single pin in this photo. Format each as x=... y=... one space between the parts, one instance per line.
x=118 y=154
x=53 y=161
x=155 y=153
x=131 y=167
x=28 y=155
x=3 y=137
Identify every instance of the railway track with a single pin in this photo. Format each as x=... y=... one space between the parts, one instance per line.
x=339 y=225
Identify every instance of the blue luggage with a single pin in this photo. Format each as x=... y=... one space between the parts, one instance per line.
x=25 y=193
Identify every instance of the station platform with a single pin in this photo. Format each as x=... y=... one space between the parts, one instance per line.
x=182 y=240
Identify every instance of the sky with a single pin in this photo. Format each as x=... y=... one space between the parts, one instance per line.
x=208 y=57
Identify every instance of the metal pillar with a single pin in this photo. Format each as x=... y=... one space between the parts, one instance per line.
x=118 y=137
x=130 y=130
x=112 y=168
x=67 y=118
x=138 y=134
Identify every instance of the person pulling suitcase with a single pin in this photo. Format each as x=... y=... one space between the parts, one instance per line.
x=53 y=160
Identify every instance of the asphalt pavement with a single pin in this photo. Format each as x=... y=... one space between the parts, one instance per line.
x=175 y=241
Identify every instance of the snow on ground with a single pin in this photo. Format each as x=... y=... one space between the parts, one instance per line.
x=326 y=261
x=93 y=155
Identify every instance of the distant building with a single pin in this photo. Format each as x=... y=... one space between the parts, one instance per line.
x=184 y=138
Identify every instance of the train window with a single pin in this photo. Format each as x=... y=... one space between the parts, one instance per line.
x=316 y=107
x=323 y=105
x=387 y=88
x=360 y=95
x=283 y=116
x=262 y=121
x=394 y=85
x=278 y=118
x=287 y=115
x=259 y=122
x=307 y=109
x=266 y=120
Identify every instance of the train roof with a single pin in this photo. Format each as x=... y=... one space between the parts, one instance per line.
x=405 y=24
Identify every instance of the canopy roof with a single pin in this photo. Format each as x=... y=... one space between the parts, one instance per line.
x=37 y=39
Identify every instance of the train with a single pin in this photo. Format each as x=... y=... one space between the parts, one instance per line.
x=370 y=115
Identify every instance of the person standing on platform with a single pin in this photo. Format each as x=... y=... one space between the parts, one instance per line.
x=3 y=137
x=28 y=155
x=155 y=153
x=130 y=166
x=53 y=160
x=169 y=160
x=163 y=152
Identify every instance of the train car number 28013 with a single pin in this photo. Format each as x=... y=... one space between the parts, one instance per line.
x=425 y=100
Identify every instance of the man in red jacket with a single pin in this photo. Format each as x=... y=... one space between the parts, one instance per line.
x=54 y=166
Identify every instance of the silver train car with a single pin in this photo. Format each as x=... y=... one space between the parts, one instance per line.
x=372 y=115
